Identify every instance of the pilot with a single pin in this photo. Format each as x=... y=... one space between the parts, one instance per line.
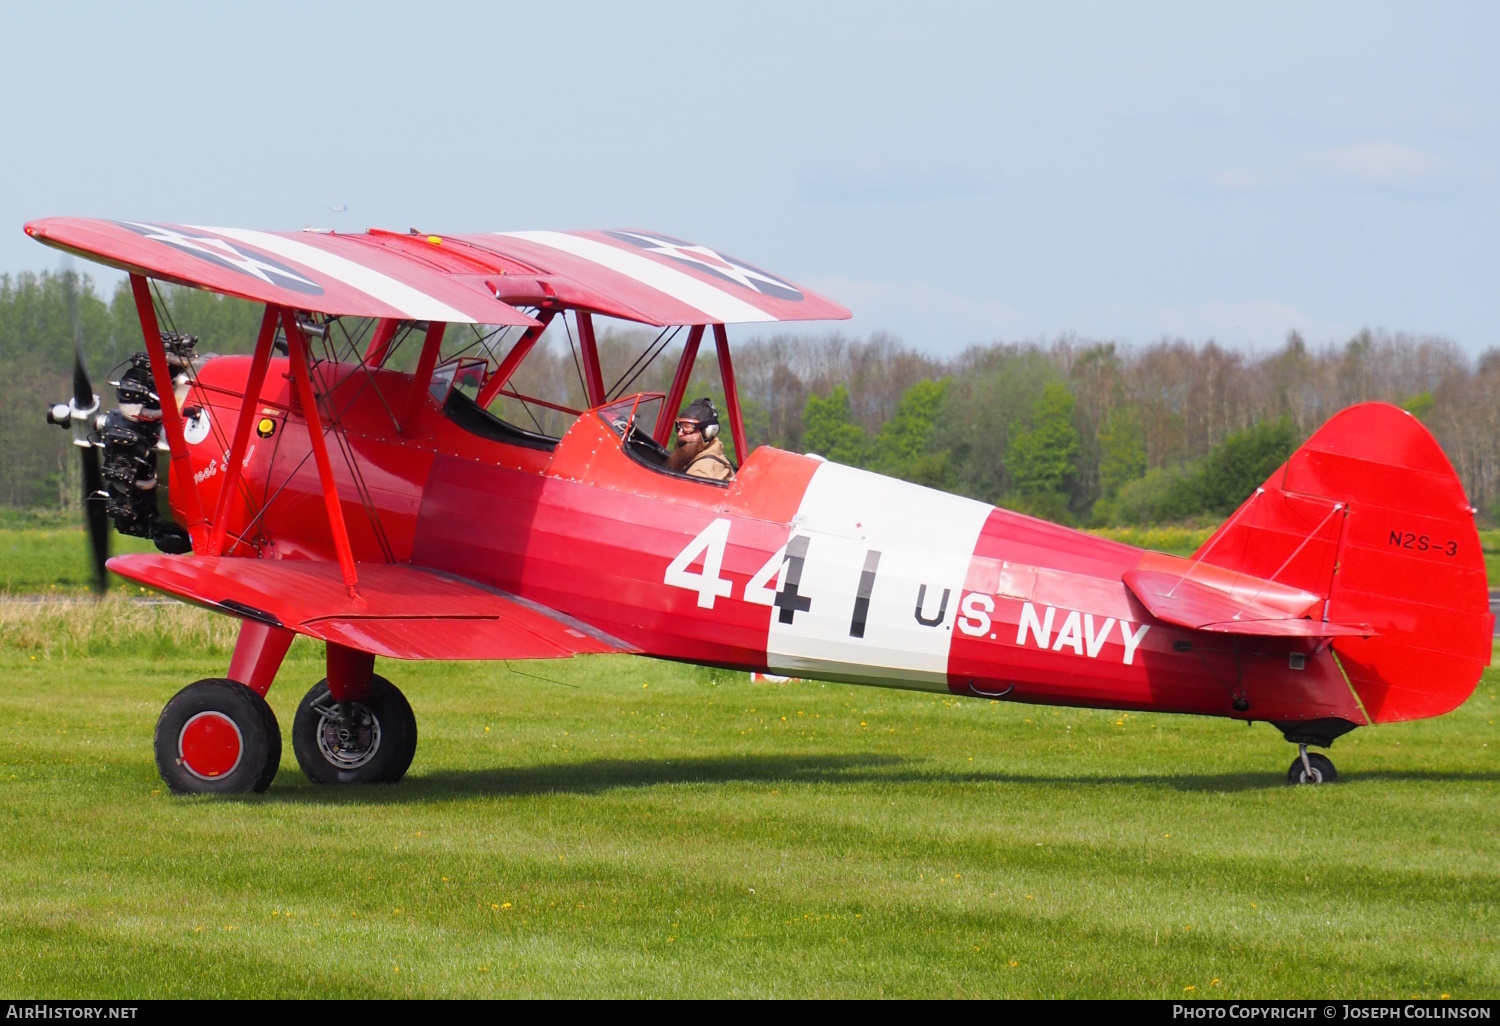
x=699 y=453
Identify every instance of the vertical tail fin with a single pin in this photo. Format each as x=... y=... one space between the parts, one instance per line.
x=1370 y=514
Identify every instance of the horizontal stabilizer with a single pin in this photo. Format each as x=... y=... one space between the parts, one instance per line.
x=1205 y=597
x=399 y=611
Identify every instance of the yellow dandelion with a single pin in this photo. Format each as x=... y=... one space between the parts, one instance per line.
x=1188 y=988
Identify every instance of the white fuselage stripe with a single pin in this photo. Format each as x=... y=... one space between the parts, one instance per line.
x=880 y=582
x=713 y=302
x=412 y=302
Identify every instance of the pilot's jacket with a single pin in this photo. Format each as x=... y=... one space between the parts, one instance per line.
x=712 y=463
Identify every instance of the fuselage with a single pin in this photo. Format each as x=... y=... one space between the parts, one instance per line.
x=799 y=566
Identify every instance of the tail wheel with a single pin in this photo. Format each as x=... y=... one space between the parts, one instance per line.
x=217 y=737
x=371 y=741
x=1318 y=770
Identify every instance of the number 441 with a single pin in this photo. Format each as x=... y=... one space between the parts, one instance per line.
x=709 y=546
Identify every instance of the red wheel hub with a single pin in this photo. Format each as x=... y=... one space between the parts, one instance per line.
x=210 y=745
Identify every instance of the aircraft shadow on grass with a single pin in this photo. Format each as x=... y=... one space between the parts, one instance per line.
x=602 y=775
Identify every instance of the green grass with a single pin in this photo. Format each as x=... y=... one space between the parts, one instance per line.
x=1489 y=541
x=54 y=556
x=1173 y=538
x=632 y=827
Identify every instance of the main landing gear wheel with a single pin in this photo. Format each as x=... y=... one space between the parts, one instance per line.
x=217 y=737
x=366 y=742
x=1311 y=768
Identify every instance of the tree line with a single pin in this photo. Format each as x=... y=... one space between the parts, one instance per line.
x=1082 y=431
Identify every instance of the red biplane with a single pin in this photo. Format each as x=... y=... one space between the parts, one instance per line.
x=1348 y=590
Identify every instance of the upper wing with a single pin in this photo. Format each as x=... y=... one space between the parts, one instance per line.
x=315 y=271
x=650 y=277
x=399 y=611
x=635 y=275
x=1210 y=598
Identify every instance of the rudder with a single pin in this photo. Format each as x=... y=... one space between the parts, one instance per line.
x=1370 y=514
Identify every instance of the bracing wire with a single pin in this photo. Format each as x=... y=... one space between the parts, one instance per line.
x=659 y=345
x=583 y=385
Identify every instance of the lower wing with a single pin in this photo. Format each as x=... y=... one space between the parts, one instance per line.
x=398 y=611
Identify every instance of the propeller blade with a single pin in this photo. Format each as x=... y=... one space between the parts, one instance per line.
x=95 y=516
x=83 y=389
x=95 y=513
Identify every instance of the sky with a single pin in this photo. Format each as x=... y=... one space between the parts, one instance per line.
x=953 y=173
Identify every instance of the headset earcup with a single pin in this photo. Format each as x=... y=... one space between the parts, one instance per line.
x=711 y=432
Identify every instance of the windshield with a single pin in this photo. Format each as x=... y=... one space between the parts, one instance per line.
x=464 y=374
x=635 y=411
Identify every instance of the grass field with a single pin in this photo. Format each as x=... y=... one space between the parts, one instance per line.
x=50 y=555
x=619 y=826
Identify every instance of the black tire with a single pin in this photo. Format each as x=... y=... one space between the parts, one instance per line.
x=1322 y=770
x=379 y=748
x=198 y=753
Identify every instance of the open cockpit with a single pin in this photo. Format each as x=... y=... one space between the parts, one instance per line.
x=497 y=383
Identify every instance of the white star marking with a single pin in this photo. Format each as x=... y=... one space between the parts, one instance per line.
x=222 y=250
x=707 y=258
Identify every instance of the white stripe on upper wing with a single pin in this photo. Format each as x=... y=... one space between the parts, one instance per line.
x=414 y=303
x=711 y=300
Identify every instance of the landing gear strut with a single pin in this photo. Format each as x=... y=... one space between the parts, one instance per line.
x=1311 y=768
